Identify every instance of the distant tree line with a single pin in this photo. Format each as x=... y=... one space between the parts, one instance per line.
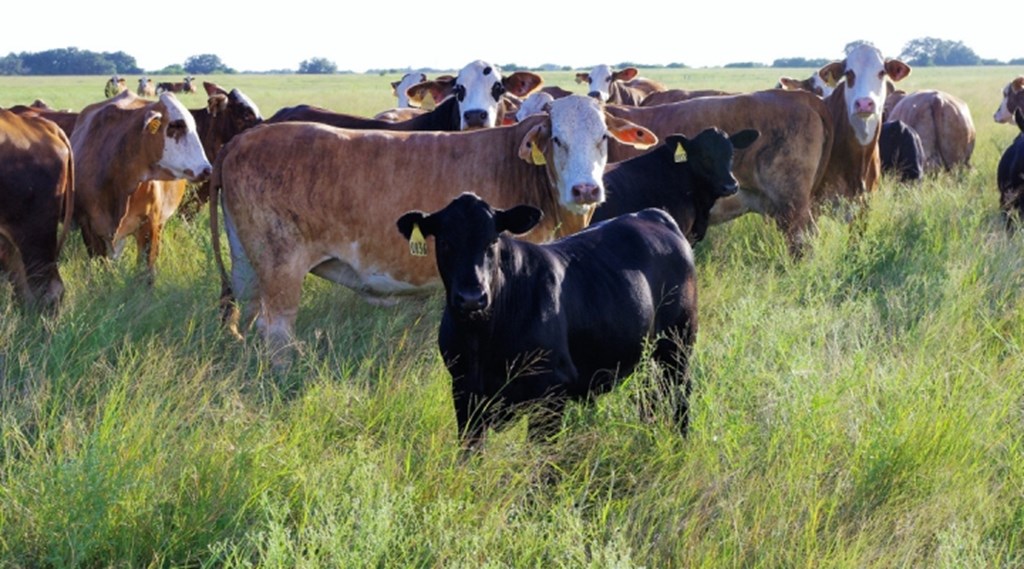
x=919 y=52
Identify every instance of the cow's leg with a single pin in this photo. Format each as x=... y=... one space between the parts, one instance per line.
x=546 y=418
x=148 y=246
x=795 y=221
x=280 y=306
x=672 y=352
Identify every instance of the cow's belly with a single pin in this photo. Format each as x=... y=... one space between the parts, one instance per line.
x=375 y=287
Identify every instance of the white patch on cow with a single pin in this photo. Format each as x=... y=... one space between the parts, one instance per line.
x=373 y=285
x=476 y=85
x=246 y=101
x=1003 y=114
x=865 y=99
x=408 y=80
x=534 y=105
x=579 y=148
x=183 y=156
x=820 y=87
x=600 y=81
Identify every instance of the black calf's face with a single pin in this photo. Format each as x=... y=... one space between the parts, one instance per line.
x=710 y=156
x=467 y=246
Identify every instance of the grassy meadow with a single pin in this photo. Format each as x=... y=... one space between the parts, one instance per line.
x=859 y=407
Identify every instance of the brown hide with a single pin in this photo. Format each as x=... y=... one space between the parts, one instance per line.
x=944 y=124
x=853 y=170
x=676 y=95
x=148 y=210
x=778 y=173
x=37 y=183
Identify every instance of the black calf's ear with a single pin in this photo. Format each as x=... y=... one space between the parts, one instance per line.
x=408 y=220
x=517 y=220
x=415 y=226
x=744 y=138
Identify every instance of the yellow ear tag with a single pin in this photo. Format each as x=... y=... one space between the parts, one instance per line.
x=417 y=244
x=153 y=126
x=680 y=155
x=536 y=155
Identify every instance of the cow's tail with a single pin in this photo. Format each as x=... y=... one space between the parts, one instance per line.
x=12 y=263
x=228 y=307
x=67 y=182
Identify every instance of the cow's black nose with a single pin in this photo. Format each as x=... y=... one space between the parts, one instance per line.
x=471 y=301
x=475 y=117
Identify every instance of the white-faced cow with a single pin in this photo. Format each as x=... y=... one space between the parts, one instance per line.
x=778 y=173
x=478 y=89
x=118 y=145
x=683 y=176
x=544 y=324
x=944 y=123
x=1013 y=99
x=36 y=193
x=303 y=197
x=815 y=84
x=146 y=87
x=621 y=87
x=1010 y=175
x=114 y=85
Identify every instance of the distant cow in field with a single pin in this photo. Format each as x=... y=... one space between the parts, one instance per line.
x=146 y=87
x=1010 y=174
x=36 y=195
x=545 y=324
x=683 y=176
x=114 y=85
x=622 y=87
x=1013 y=99
x=901 y=151
x=186 y=86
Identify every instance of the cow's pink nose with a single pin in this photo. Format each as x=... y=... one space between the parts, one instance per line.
x=864 y=105
x=586 y=194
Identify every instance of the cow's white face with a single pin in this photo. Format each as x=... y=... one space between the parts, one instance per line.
x=820 y=87
x=599 y=82
x=248 y=103
x=478 y=88
x=183 y=154
x=865 y=74
x=1003 y=113
x=536 y=103
x=579 y=151
x=408 y=80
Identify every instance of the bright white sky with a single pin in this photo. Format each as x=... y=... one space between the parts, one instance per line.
x=363 y=35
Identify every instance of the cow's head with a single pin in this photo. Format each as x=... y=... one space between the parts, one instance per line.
x=535 y=104
x=600 y=80
x=466 y=246
x=1013 y=99
x=709 y=156
x=814 y=84
x=478 y=89
x=865 y=75
x=400 y=87
x=181 y=154
x=232 y=112
x=573 y=145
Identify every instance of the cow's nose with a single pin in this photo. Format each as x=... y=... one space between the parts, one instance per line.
x=475 y=117
x=864 y=105
x=594 y=94
x=202 y=176
x=471 y=301
x=586 y=194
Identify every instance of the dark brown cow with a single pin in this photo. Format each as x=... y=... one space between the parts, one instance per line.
x=36 y=193
x=778 y=173
x=944 y=123
x=1013 y=99
x=121 y=143
x=186 y=86
x=303 y=197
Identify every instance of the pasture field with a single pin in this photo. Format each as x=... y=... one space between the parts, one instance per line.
x=862 y=406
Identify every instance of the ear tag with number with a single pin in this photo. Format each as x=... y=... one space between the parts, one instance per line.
x=153 y=126
x=417 y=244
x=680 y=155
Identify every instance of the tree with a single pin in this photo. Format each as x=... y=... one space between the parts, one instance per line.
x=206 y=64
x=800 y=62
x=318 y=65
x=11 y=65
x=124 y=63
x=933 y=51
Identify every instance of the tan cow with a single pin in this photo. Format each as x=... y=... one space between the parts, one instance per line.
x=622 y=87
x=115 y=85
x=303 y=197
x=1013 y=99
x=944 y=123
x=118 y=145
x=146 y=87
x=36 y=194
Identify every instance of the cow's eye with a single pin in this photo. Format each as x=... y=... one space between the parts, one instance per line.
x=497 y=90
x=460 y=92
x=557 y=141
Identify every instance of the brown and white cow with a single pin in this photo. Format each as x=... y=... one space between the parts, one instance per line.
x=622 y=87
x=816 y=84
x=856 y=105
x=1013 y=99
x=303 y=197
x=121 y=143
x=944 y=123
x=478 y=89
x=778 y=173
x=36 y=194
x=185 y=86
x=146 y=87
x=114 y=85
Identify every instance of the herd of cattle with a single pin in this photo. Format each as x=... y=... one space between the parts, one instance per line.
x=608 y=190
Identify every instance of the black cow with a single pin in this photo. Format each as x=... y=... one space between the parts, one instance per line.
x=1010 y=175
x=901 y=151
x=685 y=189
x=526 y=323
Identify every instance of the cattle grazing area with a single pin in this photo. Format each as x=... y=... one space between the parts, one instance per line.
x=857 y=406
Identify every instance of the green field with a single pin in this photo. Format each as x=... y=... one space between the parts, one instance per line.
x=860 y=407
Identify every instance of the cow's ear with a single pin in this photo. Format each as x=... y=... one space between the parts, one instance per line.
x=517 y=220
x=744 y=138
x=832 y=72
x=1018 y=83
x=522 y=83
x=625 y=74
x=394 y=87
x=896 y=69
x=216 y=104
x=789 y=83
x=630 y=133
x=415 y=226
x=153 y=121
x=677 y=142
x=438 y=89
x=583 y=78
x=534 y=145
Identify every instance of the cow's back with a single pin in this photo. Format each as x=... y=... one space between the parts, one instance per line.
x=944 y=124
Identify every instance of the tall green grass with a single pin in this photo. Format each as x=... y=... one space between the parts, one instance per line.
x=858 y=407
